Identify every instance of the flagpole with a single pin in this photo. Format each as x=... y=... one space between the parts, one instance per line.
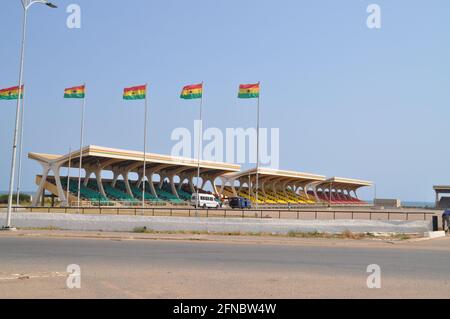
x=145 y=148
x=14 y=146
x=81 y=146
x=257 y=146
x=199 y=151
x=68 y=176
x=19 y=172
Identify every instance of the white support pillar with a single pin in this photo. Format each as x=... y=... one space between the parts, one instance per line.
x=233 y=187
x=140 y=180
x=284 y=185
x=87 y=177
x=172 y=186
x=222 y=186
x=98 y=177
x=161 y=181
x=204 y=180
x=191 y=184
x=180 y=184
x=61 y=194
x=40 y=190
x=127 y=182
x=263 y=188
x=115 y=178
x=152 y=185
x=214 y=186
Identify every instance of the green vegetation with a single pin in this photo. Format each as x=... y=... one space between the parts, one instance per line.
x=23 y=198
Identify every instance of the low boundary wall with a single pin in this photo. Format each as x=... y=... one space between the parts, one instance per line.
x=277 y=226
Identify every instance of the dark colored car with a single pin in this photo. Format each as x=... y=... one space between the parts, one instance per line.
x=240 y=203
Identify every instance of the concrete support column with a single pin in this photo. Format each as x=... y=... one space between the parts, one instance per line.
x=115 y=178
x=182 y=178
x=437 y=200
x=172 y=186
x=214 y=186
x=191 y=183
x=152 y=186
x=61 y=195
x=222 y=186
x=283 y=188
x=140 y=180
x=161 y=181
x=233 y=187
x=204 y=180
x=87 y=177
x=274 y=189
x=127 y=182
x=37 y=196
x=98 y=177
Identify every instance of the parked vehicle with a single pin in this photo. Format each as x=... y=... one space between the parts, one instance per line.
x=205 y=201
x=240 y=203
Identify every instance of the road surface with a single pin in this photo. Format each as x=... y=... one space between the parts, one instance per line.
x=34 y=267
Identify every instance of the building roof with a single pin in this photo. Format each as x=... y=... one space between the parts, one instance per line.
x=442 y=188
x=268 y=174
x=111 y=158
x=344 y=183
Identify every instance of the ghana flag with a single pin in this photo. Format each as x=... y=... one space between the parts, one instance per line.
x=77 y=92
x=191 y=92
x=135 y=93
x=248 y=91
x=11 y=93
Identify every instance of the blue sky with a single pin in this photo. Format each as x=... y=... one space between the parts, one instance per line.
x=349 y=101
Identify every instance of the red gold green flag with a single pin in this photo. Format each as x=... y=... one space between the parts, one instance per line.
x=248 y=91
x=77 y=92
x=191 y=92
x=135 y=93
x=11 y=93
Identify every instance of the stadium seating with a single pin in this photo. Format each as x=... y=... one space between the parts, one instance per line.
x=167 y=196
x=117 y=194
x=137 y=192
x=85 y=192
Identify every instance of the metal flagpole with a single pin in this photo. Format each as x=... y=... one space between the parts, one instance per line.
x=14 y=148
x=81 y=146
x=145 y=149
x=257 y=148
x=68 y=176
x=19 y=171
x=199 y=151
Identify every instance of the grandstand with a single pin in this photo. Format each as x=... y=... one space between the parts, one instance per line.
x=171 y=181
x=120 y=190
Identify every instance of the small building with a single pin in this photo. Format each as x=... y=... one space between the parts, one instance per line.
x=442 y=202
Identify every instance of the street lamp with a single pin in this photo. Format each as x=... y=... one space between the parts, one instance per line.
x=26 y=4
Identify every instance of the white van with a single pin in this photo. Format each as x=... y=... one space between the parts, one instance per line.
x=206 y=201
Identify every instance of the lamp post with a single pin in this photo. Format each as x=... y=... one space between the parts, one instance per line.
x=26 y=4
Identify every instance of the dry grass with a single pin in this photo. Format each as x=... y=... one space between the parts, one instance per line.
x=345 y=235
x=51 y=228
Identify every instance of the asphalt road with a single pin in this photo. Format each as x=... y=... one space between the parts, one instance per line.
x=35 y=268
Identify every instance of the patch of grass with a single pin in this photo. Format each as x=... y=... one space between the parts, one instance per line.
x=294 y=234
x=141 y=230
x=40 y=228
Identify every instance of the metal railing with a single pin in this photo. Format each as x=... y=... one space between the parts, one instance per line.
x=304 y=214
